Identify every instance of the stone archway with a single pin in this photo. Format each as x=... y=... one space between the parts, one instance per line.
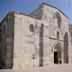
x=57 y=54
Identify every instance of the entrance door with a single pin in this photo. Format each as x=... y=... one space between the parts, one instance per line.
x=56 y=57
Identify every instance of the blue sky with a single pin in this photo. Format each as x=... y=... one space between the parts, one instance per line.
x=26 y=6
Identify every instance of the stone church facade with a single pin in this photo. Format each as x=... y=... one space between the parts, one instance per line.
x=39 y=39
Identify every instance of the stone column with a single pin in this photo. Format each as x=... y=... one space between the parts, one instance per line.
x=62 y=57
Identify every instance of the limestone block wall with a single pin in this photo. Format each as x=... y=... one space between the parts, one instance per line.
x=7 y=41
x=26 y=43
x=48 y=17
x=70 y=40
x=29 y=41
x=0 y=40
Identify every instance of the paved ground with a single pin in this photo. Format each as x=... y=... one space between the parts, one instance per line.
x=57 y=68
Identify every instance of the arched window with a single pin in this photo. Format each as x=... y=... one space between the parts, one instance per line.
x=31 y=27
x=58 y=17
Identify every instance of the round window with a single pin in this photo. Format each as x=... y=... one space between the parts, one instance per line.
x=31 y=28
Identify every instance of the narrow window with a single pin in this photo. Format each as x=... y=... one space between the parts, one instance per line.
x=57 y=35
x=71 y=38
x=31 y=27
x=58 y=17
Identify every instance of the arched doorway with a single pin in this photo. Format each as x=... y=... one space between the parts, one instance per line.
x=57 y=54
x=66 y=48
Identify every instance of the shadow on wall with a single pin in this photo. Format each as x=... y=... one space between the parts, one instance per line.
x=41 y=45
x=66 y=48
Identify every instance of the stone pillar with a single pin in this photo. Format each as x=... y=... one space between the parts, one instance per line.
x=62 y=57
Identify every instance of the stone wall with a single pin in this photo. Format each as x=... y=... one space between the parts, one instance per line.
x=49 y=19
x=26 y=43
x=7 y=41
x=30 y=41
x=70 y=29
x=50 y=22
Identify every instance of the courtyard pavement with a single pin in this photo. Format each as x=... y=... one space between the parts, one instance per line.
x=56 y=68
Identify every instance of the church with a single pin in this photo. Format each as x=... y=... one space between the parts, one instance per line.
x=41 y=38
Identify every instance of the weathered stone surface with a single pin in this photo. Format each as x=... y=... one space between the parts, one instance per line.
x=55 y=68
x=36 y=47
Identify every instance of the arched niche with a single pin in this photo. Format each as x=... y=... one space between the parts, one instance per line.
x=57 y=18
x=66 y=48
x=41 y=33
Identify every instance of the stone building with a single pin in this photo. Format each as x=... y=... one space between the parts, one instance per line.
x=40 y=38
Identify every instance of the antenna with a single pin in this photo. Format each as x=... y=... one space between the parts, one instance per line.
x=69 y=3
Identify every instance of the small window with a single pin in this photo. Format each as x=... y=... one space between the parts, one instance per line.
x=57 y=35
x=4 y=28
x=71 y=38
x=31 y=28
x=33 y=56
